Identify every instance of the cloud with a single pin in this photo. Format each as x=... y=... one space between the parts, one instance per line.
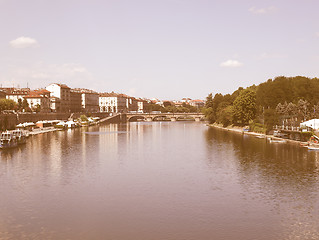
x=231 y=63
x=23 y=42
x=261 y=11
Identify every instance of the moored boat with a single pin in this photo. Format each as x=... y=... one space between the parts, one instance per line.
x=313 y=146
x=8 y=140
x=20 y=136
x=273 y=140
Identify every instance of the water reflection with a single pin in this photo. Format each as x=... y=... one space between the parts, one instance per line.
x=283 y=177
x=157 y=180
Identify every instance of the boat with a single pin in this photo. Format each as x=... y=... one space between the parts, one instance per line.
x=60 y=125
x=20 y=136
x=8 y=140
x=311 y=147
x=70 y=124
x=260 y=136
x=272 y=140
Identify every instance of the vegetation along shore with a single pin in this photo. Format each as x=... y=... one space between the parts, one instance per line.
x=283 y=102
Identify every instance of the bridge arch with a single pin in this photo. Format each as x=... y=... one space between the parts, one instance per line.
x=136 y=118
x=164 y=116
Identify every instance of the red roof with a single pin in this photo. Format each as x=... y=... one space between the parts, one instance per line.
x=33 y=96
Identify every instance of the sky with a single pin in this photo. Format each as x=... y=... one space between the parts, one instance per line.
x=166 y=49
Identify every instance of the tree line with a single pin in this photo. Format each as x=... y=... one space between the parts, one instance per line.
x=281 y=101
x=169 y=107
x=21 y=105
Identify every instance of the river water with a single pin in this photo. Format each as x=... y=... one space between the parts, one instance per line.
x=158 y=180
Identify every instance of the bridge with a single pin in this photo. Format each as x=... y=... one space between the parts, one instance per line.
x=149 y=117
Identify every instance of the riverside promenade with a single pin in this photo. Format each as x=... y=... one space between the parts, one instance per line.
x=241 y=131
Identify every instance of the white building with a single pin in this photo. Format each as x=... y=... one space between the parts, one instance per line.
x=313 y=123
x=112 y=102
x=62 y=92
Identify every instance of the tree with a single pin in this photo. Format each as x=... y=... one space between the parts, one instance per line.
x=37 y=108
x=7 y=104
x=303 y=108
x=167 y=103
x=226 y=116
x=25 y=104
x=209 y=101
x=270 y=119
x=244 y=108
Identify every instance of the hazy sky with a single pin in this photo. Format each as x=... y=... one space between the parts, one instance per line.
x=166 y=49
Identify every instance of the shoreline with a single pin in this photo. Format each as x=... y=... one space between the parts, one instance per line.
x=261 y=135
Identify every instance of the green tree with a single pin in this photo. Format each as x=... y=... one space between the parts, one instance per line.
x=226 y=116
x=25 y=104
x=270 y=118
x=209 y=101
x=244 y=108
x=7 y=104
x=37 y=108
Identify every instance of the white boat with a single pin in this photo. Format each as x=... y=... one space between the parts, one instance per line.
x=260 y=136
x=60 y=125
x=272 y=140
x=70 y=124
x=313 y=148
x=8 y=140
x=20 y=136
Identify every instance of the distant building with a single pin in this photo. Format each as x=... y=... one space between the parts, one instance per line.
x=112 y=102
x=131 y=104
x=75 y=101
x=142 y=105
x=89 y=100
x=39 y=100
x=2 y=94
x=55 y=104
x=15 y=93
x=186 y=100
x=313 y=124
x=197 y=103
x=62 y=92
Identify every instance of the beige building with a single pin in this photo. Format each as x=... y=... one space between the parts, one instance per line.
x=62 y=92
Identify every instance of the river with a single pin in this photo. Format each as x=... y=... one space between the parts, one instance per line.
x=158 y=180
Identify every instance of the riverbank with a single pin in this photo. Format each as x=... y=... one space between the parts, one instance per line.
x=240 y=130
